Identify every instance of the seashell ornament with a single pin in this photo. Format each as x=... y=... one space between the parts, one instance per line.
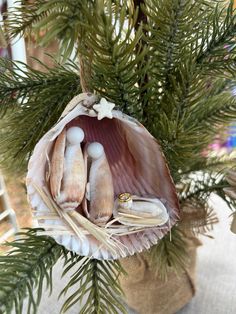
x=99 y=184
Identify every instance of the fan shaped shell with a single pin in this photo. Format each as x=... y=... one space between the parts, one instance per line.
x=137 y=165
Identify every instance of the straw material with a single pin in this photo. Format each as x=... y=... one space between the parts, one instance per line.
x=148 y=294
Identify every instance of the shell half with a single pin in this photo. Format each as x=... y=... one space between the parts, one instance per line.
x=137 y=166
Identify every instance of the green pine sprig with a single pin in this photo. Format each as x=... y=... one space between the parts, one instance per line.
x=25 y=268
x=201 y=184
x=170 y=254
x=97 y=283
x=50 y=20
x=217 y=37
x=31 y=102
x=116 y=59
x=197 y=217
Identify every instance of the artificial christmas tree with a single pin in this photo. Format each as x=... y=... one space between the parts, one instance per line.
x=168 y=65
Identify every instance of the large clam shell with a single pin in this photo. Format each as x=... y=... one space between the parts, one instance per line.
x=137 y=165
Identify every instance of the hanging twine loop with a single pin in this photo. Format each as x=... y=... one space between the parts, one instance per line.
x=85 y=74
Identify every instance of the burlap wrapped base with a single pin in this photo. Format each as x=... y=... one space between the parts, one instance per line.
x=148 y=294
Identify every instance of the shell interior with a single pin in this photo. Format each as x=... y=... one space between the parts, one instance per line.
x=138 y=167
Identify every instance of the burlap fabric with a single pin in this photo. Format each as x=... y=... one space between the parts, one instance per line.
x=148 y=294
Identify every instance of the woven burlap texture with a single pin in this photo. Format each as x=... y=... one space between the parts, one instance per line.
x=147 y=294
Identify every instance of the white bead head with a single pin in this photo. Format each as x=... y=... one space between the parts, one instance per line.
x=95 y=150
x=74 y=135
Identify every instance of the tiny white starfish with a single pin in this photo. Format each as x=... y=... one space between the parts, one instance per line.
x=104 y=109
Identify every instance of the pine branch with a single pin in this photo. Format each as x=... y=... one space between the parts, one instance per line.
x=98 y=286
x=173 y=28
x=179 y=86
x=216 y=110
x=201 y=187
x=179 y=139
x=212 y=165
x=115 y=64
x=196 y=107
x=19 y=81
x=170 y=254
x=26 y=268
x=34 y=100
x=20 y=20
x=160 y=13
x=219 y=31
x=28 y=265
x=208 y=35
x=201 y=184
x=58 y=19
x=141 y=22
x=197 y=217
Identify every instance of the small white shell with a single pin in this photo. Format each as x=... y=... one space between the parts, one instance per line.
x=147 y=212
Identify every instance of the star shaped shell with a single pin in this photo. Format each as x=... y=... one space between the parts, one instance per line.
x=137 y=166
x=104 y=109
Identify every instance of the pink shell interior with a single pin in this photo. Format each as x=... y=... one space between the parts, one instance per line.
x=138 y=166
x=131 y=171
